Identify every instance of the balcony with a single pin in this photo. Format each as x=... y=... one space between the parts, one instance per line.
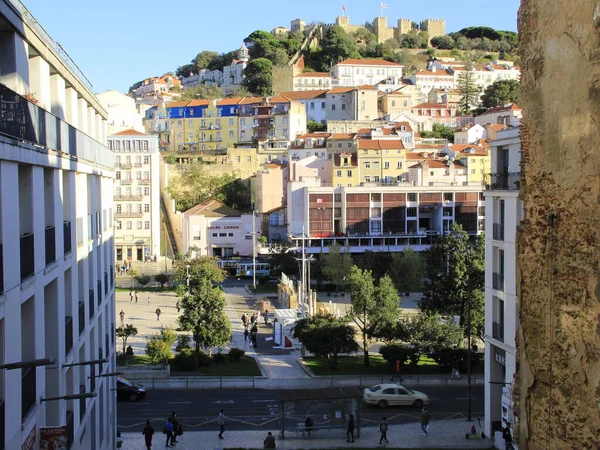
x=498 y=281
x=506 y=181
x=125 y=182
x=91 y=305
x=112 y=276
x=145 y=182
x=68 y=334
x=128 y=198
x=125 y=165
x=498 y=231
x=67 y=237
x=25 y=121
x=105 y=284
x=99 y=292
x=28 y=391
x=128 y=215
x=498 y=331
x=50 y=245
x=138 y=165
x=27 y=262
x=81 y=311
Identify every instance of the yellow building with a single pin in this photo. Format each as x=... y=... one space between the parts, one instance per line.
x=381 y=161
x=476 y=158
x=341 y=149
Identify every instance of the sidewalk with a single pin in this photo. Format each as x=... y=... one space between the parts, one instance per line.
x=442 y=434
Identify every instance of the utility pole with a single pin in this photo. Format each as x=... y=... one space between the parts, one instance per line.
x=469 y=345
x=253 y=251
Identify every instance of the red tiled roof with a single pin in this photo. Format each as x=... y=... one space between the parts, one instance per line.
x=379 y=144
x=314 y=74
x=129 y=132
x=433 y=164
x=229 y=101
x=201 y=102
x=342 y=136
x=499 y=109
x=250 y=100
x=437 y=73
x=497 y=126
x=304 y=95
x=340 y=90
x=366 y=87
x=369 y=62
x=177 y=104
x=432 y=106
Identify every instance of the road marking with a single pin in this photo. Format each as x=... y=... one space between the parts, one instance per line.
x=179 y=403
x=224 y=402
x=262 y=401
x=466 y=398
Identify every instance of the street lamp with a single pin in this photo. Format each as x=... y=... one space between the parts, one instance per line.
x=469 y=347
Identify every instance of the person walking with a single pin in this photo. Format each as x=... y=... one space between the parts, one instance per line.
x=131 y=295
x=246 y=332
x=221 y=423
x=158 y=311
x=148 y=299
x=266 y=316
x=270 y=441
x=253 y=319
x=169 y=431
x=148 y=433
x=383 y=429
x=122 y=315
x=350 y=429
x=176 y=427
x=177 y=306
x=245 y=319
x=507 y=436
x=425 y=418
x=308 y=425
x=136 y=296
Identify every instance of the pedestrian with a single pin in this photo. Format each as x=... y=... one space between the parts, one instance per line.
x=158 y=311
x=176 y=426
x=122 y=315
x=253 y=319
x=136 y=297
x=131 y=295
x=350 y=429
x=308 y=425
x=270 y=441
x=254 y=328
x=253 y=339
x=168 y=430
x=425 y=418
x=244 y=319
x=383 y=429
x=148 y=299
x=266 y=316
x=221 y=423
x=177 y=306
x=148 y=433
x=245 y=333
x=507 y=436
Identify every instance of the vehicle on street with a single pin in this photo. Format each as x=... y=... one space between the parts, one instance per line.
x=129 y=391
x=384 y=395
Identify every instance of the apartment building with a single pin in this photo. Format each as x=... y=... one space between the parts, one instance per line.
x=352 y=103
x=310 y=81
x=504 y=214
x=314 y=102
x=360 y=72
x=57 y=318
x=509 y=115
x=136 y=196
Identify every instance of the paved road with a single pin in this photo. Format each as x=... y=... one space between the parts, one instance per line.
x=252 y=409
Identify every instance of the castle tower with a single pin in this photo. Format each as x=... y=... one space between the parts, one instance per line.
x=243 y=53
x=380 y=28
x=297 y=25
x=435 y=27
x=343 y=21
x=404 y=27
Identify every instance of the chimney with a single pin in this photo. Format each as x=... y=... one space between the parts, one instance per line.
x=433 y=68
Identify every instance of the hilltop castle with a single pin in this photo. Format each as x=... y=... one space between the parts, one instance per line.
x=380 y=28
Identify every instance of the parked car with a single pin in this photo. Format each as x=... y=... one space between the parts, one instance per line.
x=127 y=390
x=384 y=395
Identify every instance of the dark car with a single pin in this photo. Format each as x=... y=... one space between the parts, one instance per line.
x=126 y=390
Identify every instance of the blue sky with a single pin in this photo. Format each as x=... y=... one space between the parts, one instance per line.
x=117 y=43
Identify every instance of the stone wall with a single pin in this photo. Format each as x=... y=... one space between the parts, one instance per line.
x=558 y=268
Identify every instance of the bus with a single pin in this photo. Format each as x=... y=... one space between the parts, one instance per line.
x=245 y=269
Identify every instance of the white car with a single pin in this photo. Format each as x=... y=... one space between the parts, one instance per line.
x=384 y=395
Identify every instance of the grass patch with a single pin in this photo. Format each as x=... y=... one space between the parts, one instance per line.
x=264 y=289
x=133 y=360
x=243 y=367
x=354 y=365
x=146 y=289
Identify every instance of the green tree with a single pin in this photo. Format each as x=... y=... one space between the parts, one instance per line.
x=259 y=76
x=204 y=91
x=337 y=46
x=326 y=336
x=365 y=37
x=443 y=42
x=500 y=93
x=336 y=265
x=224 y=59
x=185 y=71
x=406 y=270
x=456 y=268
x=439 y=131
x=203 y=303
x=142 y=279
x=158 y=346
x=283 y=260
x=313 y=126
x=377 y=262
x=372 y=309
x=204 y=59
x=467 y=87
x=124 y=332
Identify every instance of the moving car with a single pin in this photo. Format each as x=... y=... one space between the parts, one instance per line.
x=384 y=395
x=127 y=390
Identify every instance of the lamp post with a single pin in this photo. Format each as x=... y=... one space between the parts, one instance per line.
x=253 y=251
x=469 y=347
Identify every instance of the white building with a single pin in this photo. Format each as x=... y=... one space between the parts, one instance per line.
x=214 y=229
x=315 y=102
x=469 y=134
x=233 y=74
x=503 y=115
x=310 y=81
x=360 y=72
x=136 y=196
x=504 y=212
x=56 y=246
x=122 y=112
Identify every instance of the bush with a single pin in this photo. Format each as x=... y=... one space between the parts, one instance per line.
x=263 y=280
x=204 y=359
x=143 y=280
x=162 y=278
x=394 y=352
x=158 y=350
x=236 y=353
x=454 y=358
x=183 y=342
x=186 y=359
x=168 y=335
x=218 y=357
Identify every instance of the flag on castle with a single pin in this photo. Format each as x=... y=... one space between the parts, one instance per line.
x=384 y=6
x=344 y=8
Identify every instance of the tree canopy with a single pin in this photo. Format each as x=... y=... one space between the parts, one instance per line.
x=336 y=265
x=467 y=87
x=337 y=46
x=500 y=93
x=439 y=131
x=259 y=76
x=207 y=92
x=406 y=270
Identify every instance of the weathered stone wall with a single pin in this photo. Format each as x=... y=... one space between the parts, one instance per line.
x=559 y=246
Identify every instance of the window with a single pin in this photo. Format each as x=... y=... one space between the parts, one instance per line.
x=393 y=103
x=322 y=105
x=117 y=146
x=333 y=107
x=431 y=173
x=146 y=225
x=118 y=175
x=386 y=165
x=312 y=105
x=337 y=197
x=367 y=179
x=448 y=196
x=399 y=165
x=146 y=160
x=146 y=191
x=343 y=106
x=119 y=206
x=146 y=207
x=338 y=173
x=349 y=173
x=231 y=135
x=222 y=234
x=472 y=171
x=127 y=145
x=145 y=146
x=215 y=235
x=138 y=208
x=249 y=158
x=411 y=212
x=411 y=197
x=119 y=225
x=128 y=225
x=339 y=145
x=367 y=164
x=230 y=122
x=230 y=234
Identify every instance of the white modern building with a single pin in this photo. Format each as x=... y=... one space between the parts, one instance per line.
x=122 y=112
x=56 y=246
x=360 y=72
x=136 y=196
x=212 y=228
x=504 y=212
x=310 y=81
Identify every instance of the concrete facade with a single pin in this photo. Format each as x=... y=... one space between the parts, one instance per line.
x=122 y=112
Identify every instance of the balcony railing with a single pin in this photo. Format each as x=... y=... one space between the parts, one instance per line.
x=50 y=245
x=498 y=231
x=68 y=334
x=91 y=305
x=506 y=181
x=25 y=121
x=145 y=182
x=81 y=311
x=27 y=261
x=67 y=236
x=99 y=292
x=127 y=182
x=28 y=391
x=498 y=331
x=123 y=165
x=498 y=281
x=138 y=165
x=129 y=215
x=128 y=198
